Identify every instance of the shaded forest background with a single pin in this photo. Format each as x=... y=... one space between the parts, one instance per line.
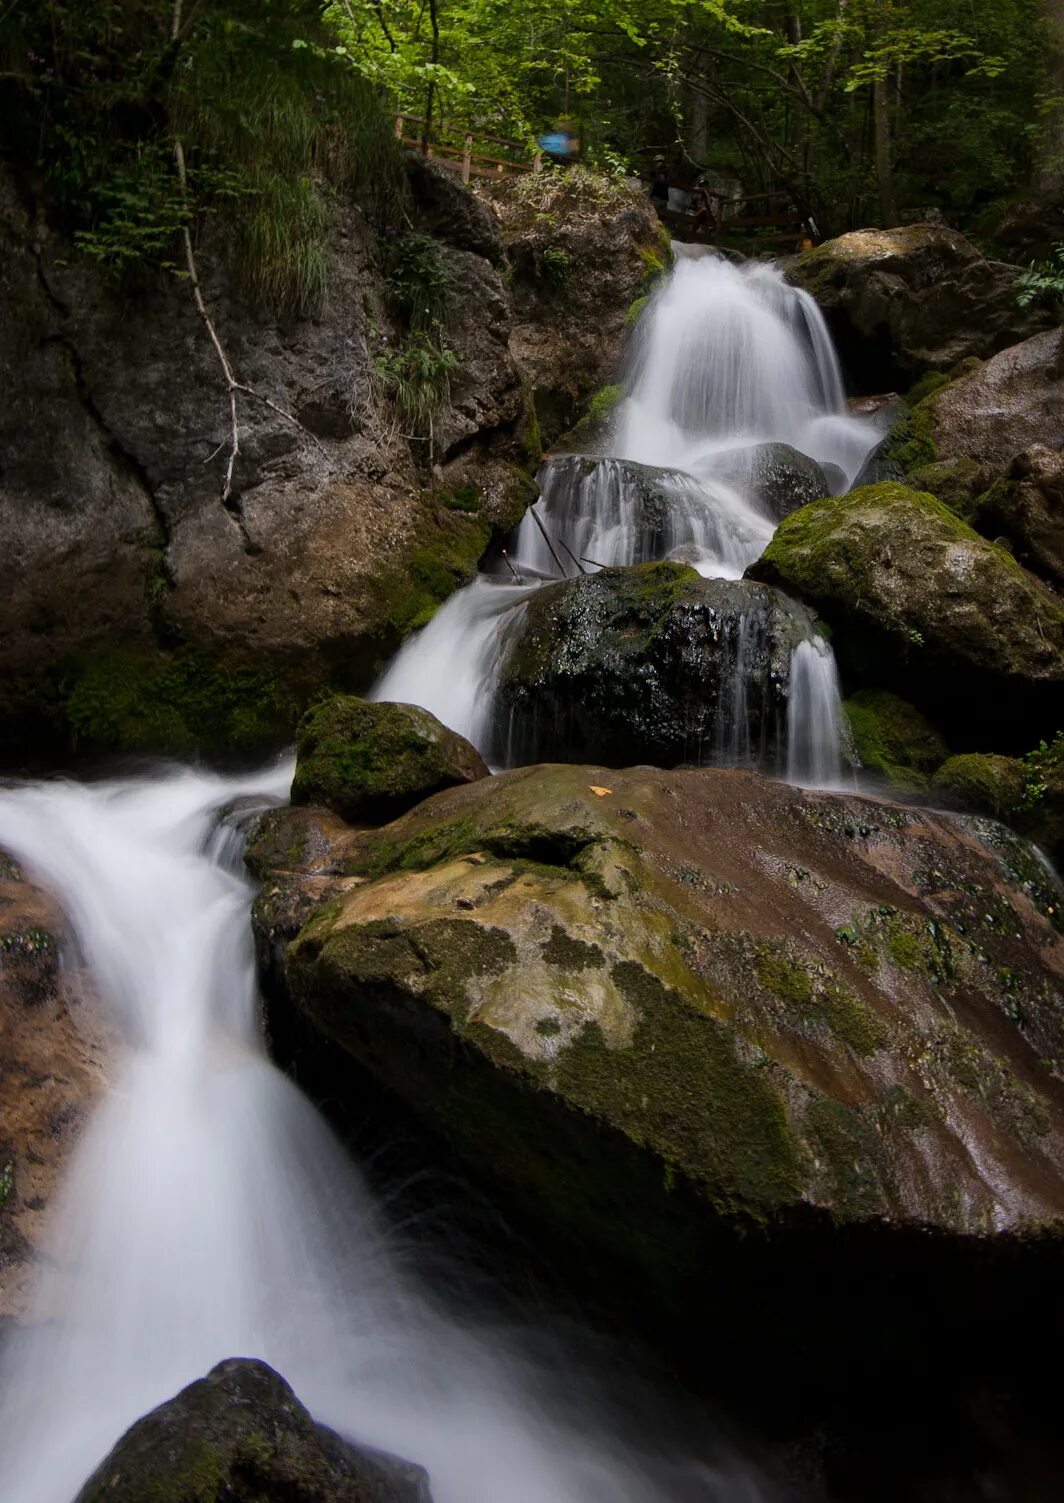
x=862 y=111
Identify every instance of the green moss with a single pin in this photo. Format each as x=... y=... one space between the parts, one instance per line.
x=852 y=1021
x=466 y=498
x=635 y=312
x=905 y=950
x=997 y=785
x=450 y=545
x=926 y=386
x=954 y=482
x=173 y=703
x=571 y=954
x=784 y=977
x=844 y=1147
x=893 y=738
x=911 y=442
x=595 y=418
x=369 y=762
x=682 y=1087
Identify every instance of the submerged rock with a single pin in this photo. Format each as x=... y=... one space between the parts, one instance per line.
x=921 y=602
x=781 y=478
x=904 y=301
x=650 y=664
x=369 y=762
x=241 y=1434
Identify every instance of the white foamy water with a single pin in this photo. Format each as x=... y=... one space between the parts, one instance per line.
x=725 y=358
x=208 y=1212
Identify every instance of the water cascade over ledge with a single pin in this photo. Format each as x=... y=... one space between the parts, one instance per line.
x=208 y=1212
x=731 y=373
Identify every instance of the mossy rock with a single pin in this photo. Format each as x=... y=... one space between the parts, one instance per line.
x=638 y=664
x=921 y=604
x=590 y=959
x=893 y=738
x=368 y=762
x=241 y=1434
x=595 y=422
x=177 y=703
x=994 y=785
x=957 y=483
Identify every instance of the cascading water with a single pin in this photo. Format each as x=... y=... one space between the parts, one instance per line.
x=208 y=1212
x=725 y=360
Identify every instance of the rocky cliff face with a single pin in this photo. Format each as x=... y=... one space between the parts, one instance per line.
x=138 y=610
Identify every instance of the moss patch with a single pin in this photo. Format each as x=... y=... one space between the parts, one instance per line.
x=997 y=785
x=893 y=738
x=172 y=704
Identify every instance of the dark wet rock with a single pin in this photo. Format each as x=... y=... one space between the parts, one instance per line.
x=1027 y=508
x=904 y=301
x=893 y=740
x=583 y=250
x=923 y=604
x=369 y=762
x=242 y=1435
x=1006 y=405
x=781 y=477
x=450 y=212
x=650 y=664
x=54 y=1046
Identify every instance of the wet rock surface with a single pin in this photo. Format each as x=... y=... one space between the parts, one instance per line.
x=241 y=1434
x=780 y=476
x=794 y=999
x=905 y=301
x=650 y=664
x=926 y=606
x=370 y=762
x=53 y=1050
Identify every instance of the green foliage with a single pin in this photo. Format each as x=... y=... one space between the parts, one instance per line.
x=419 y=284
x=416 y=379
x=1042 y=283
x=557 y=266
x=102 y=92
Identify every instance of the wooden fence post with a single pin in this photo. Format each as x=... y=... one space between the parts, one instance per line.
x=467 y=157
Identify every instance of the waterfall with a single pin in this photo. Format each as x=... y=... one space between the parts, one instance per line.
x=725 y=358
x=208 y=1212
x=817 y=732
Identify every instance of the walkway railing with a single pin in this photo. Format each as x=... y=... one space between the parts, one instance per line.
x=455 y=150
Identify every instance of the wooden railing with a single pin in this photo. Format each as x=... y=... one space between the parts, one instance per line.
x=443 y=147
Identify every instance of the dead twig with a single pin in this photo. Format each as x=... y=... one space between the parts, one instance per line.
x=573 y=556
x=553 y=551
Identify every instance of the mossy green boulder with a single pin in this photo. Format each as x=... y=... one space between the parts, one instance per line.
x=893 y=739
x=241 y=1434
x=640 y=664
x=368 y=762
x=789 y=1005
x=994 y=785
x=926 y=607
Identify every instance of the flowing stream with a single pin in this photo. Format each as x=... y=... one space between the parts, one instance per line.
x=208 y=1212
x=724 y=361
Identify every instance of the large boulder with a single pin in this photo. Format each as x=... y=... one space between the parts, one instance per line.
x=904 y=301
x=1010 y=403
x=925 y=606
x=790 y=1061
x=650 y=664
x=1026 y=507
x=582 y=249
x=138 y=610
x=370 y=762
x=241 y=1434
x=779 y=476
x=54 y=1048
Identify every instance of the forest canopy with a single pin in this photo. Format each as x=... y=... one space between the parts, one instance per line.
x=861 y=111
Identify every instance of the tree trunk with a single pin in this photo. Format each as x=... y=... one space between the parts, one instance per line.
x=1049 y=169
x=884 y=165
